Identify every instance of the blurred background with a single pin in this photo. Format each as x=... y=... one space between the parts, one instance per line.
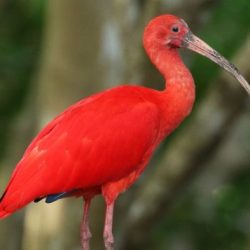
x=195 y=195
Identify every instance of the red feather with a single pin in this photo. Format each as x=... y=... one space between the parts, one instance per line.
x=92 y=143
x=102 y=143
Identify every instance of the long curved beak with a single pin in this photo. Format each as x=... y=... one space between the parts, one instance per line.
x=194 y=43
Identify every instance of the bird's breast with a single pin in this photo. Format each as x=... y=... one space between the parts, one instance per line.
x=176 y=103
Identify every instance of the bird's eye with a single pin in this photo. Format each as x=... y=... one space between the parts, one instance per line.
x=175 y=29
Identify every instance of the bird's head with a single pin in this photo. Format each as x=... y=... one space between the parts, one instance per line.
x=168 y=33
x=165 y=31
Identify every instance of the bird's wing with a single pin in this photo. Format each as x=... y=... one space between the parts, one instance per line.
x=93 y=142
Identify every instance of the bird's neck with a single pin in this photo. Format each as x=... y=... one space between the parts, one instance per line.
x=178 y=96
x=171 y=66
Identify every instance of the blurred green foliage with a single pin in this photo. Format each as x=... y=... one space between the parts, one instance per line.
x=227 y=28
x=20 y=36
x=21 y=24
x=224 y=227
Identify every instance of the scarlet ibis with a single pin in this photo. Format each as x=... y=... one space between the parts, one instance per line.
x=101 y=144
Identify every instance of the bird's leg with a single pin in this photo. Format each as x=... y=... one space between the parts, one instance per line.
x=85 y=231
x=107 y=233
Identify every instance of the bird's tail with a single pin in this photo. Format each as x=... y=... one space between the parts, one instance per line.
x=3 y=212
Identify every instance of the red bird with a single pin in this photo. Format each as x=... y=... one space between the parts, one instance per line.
x=102 y=144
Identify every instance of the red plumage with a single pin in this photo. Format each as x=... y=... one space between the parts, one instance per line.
x=97 y=141
x=102 y=143
x=103 y=139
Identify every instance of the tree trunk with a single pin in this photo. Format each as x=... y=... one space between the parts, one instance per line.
x=69 y=70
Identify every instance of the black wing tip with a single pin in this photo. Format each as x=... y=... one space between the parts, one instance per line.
x=3 y=196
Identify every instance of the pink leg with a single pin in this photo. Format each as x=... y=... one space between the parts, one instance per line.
x=85 y=231
x=107 y=233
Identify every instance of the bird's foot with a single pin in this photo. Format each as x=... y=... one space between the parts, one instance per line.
x=86 y=236
x=85 y=243
x=108 y=241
